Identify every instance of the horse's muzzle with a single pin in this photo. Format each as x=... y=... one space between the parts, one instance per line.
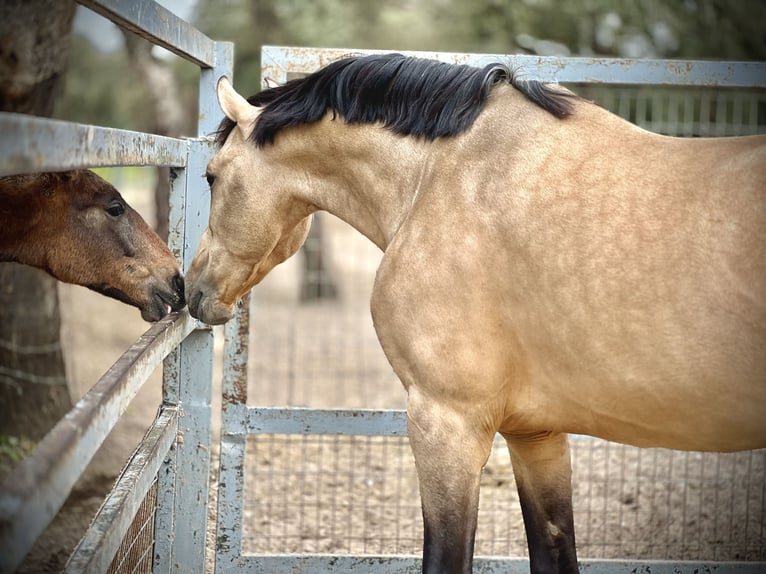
x=165 y=299
x=206 y=307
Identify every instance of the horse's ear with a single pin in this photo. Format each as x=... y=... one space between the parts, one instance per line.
x=234 y=105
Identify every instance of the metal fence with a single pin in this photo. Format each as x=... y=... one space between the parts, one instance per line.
x=155 y=517
x=312 y=481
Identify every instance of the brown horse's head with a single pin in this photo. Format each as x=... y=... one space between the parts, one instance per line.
x=256 y=222
x=77 y=227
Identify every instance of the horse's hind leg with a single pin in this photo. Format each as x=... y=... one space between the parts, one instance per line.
x=449 y=455
x=542 y=470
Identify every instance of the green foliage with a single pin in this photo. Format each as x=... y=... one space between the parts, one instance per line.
x=101 y=89
x=696 y=29
x=13 y=449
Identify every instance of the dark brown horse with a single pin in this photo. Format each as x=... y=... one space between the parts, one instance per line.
x=77 y=227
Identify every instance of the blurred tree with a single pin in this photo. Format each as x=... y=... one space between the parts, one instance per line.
x=99 y=92
x=706 y=29
x=167 y=113
x=34 y=41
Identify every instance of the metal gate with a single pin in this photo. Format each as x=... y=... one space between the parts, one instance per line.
x=273 y=458
x=171 y=464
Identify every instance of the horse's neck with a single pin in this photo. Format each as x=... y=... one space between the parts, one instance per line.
x=19 y=216
x=375 y=178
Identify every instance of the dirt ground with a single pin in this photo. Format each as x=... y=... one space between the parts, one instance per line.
x=359 y=494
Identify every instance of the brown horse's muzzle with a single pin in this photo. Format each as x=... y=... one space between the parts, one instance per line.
x=164 y=299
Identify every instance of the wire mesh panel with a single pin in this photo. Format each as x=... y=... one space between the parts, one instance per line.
x=359 y=495
x=136 y=552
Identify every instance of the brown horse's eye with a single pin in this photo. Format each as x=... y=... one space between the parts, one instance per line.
x=116 y=209
x=210 y=179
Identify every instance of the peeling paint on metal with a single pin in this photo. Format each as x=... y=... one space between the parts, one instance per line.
x=33 y=144
x=280 y=61
x=158 y=25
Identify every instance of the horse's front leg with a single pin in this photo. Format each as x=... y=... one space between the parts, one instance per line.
x=543 y=473
x=450 y=451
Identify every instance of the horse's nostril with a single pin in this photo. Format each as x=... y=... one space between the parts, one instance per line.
x=178 y=283
x=193 y=301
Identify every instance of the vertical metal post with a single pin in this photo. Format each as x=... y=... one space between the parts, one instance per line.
x=184 y=479
x=231 y=497
x=166 y=479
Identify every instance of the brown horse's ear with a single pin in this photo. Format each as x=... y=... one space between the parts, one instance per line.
x=234 y=105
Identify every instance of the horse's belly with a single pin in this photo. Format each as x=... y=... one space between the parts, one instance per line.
x=651 y=407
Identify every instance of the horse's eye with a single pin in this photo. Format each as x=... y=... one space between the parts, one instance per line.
x=210 y=179
x=116 y=209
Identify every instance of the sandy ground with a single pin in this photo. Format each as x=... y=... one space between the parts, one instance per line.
x=359 y=494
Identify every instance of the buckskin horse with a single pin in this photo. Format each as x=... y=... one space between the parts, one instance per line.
x=548 y=268
x=78 y=228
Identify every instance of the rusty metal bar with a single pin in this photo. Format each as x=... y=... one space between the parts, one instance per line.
x=279 y=61
x=32 y=144
x=97 y=548
x=34 y=492
x=158 y=25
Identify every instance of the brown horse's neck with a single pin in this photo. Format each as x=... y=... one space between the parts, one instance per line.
x=21 y=204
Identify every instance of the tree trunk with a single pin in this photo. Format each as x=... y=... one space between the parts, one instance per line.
x=34 y=43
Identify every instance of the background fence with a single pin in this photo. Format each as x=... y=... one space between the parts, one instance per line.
x=312 y=487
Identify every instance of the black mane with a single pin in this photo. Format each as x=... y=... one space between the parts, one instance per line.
x=410 y=96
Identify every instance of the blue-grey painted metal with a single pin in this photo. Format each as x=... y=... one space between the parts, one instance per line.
x=183 y=487
x=278 y=61
x=158 y=25
x=98 y=547
x=298 y=420
x=31 y=144
x=37 y=488
x=231 y=478
x=183 y=483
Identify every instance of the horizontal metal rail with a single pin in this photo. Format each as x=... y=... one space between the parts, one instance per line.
x=158 y=25
x=279 y=61
x=348 y=422
x=32 y=144
x=99 y=545
x=37 y=488
x=301 y=420
x=391 y=564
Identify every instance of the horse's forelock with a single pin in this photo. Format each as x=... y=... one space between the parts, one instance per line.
x=224 y=129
